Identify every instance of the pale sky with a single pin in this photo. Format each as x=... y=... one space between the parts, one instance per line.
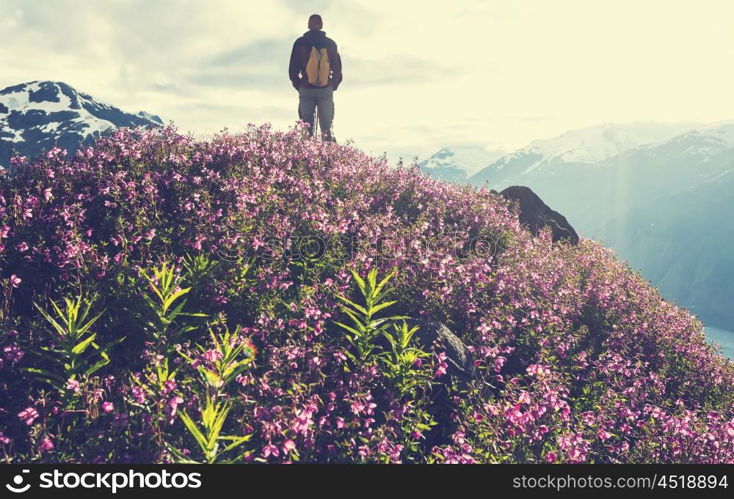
x=418 y=75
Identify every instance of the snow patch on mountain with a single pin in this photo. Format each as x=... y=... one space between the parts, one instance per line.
x=37 y=115
x=469 y=159
x=594 y=144
x=457 y=163
x=586 y=147
x=717 y=135
x=150 y=117
x=24 y=100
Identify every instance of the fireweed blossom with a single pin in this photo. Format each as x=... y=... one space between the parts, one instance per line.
x=28 y=415
x=46 y=445
x=577 y=358
x=73 y=385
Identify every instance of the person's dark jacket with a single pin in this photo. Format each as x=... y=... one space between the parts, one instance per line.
x=301 y=52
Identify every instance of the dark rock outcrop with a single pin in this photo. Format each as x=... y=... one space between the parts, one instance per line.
x=459 y=358
x=459 y=374
x=536 y=215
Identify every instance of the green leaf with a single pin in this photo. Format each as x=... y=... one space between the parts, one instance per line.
x=360 y=281
x=377 y=308
x=79 y=348
x=106 y=348
x=59 y=329
x=236 y=442
x=357 y=322
x=88 y=324
x=390 y=338
x=355 y=306
x=372 y=281
x=221 y=416
x=193 y=430
x=43 y=372
x=382 y=284
x=173 y=297
x=181 y=458
x=348 y=328
x=97 y=366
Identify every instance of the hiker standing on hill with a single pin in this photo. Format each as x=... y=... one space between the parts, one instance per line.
x=316 y=71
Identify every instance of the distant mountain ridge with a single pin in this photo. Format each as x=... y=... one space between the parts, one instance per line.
x=457 y=163
x=586 y=146
x=40 y=114
x=656 y=194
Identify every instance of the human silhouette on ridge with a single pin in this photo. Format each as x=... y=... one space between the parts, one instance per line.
x=315 y=70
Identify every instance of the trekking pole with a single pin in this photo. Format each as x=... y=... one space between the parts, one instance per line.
x=316 y=125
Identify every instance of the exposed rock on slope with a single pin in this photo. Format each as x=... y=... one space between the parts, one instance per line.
x=536 y=215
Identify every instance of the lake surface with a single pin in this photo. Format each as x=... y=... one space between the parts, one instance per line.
x=723 y=338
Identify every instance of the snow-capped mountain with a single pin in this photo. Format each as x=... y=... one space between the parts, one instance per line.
x=706 y=141
x=457 y=163
x=662 y=202
x=38 y=115
x=594 y=185
x=586 y=146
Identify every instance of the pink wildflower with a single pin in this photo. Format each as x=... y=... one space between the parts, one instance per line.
x=28 y=415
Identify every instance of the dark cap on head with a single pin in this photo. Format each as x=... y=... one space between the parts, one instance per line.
x=315 y=22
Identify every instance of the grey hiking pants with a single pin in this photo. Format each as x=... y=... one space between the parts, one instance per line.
x=311 y=100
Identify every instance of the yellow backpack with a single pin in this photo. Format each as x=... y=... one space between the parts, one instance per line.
x=318 y=68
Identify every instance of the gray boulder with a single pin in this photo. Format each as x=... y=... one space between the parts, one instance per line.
x=459 y=358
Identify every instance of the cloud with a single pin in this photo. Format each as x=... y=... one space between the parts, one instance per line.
x=394 y=70
x=219 y=78
x=313 y=6
x=260 y=64
x=252 y=113
x=259 y=52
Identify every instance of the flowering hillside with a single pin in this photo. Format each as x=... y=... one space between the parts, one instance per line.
x=255 y=298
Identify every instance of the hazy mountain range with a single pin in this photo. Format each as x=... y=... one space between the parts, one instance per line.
x=661 y=195
x=456 y=164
